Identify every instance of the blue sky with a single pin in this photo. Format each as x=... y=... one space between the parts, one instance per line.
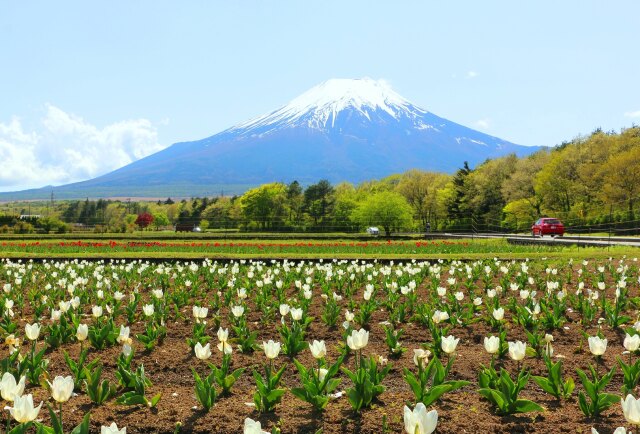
x=89 y=86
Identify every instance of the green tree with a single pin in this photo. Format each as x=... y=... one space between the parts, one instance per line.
x=387 y=209
x=420 y=189
x=221 y=214
x=622 y=178
x=318 y=200
x=160 y=219
x=265 y=205
x=295 y=202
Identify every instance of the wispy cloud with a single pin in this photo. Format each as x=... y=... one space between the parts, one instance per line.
x=471 y=74
x=635 y=114
x=65 y=148
x=484 y=124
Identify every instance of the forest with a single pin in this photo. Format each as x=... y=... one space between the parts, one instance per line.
x=589 y=182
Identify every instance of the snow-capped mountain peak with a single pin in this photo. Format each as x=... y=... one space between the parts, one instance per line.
x=320 y=106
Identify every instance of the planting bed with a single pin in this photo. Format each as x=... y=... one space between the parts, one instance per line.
x=38 y=288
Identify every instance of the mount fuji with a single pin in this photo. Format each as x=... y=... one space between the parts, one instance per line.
x=341 y=130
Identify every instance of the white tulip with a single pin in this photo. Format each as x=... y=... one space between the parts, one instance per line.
x=96 y=311
x=253 y=427
x=449 y=344
x=237 y=311
x=225 y=348
x=421 y=357
x=123 y=336
x=61 y=388
x=322 y=374
x=32 y=331
x=82 y=332
x=284 y=309
x=498 y=314
x=9 y=389
x=202 y=352
x=597 y=346
x=271 y=349
x=492 y=344
x=112 y=429
x=350 y=316
x=517 y=350
x=318 y=349
x=200 y=313
x=631 y=409
x=23 y=409
x=439 y=316
x=148 y=309
x=296 y=314
x=223 y=334
x=419 y=421
x=358 y=339
x=631 y=343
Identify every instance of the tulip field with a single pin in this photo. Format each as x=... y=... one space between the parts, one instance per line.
x=544 y=345
x=264 y=248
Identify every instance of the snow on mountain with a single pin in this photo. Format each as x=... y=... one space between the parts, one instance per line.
x=319 y=107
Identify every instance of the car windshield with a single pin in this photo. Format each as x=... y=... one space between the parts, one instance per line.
x=552 y=221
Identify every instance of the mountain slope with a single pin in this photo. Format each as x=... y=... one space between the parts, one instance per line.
x=340 y=130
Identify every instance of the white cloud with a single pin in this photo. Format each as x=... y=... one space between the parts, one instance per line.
x=484 y=124
x=471 y=74
x=635 y=114
x=65 y=148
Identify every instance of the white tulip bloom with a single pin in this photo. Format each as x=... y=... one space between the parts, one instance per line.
x=449 y=344
x=199 y=313
x=421 y=357
x=419 y=421
x=237 y=311
x=318 y=349
x=61 y=388
x=517 y=350
x=82 y=332
x=148 y=309
x=492 y=344
x=284 y=309
x=296 y=314
x=597 y=346
x=271 y=349
x=23 y=409
x=223 y=334
x=123 y=337
x=631 y=409
x=253 y=427
x=202 y=352
x=498 y=314
x=358 y=339
x=631 y=343
x=9 y=389
x=32 y=331
x=112 y=429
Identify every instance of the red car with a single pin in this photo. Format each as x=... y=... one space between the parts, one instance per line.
x=547 y=226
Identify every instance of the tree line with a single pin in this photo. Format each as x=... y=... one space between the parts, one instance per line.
x=589 y=180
